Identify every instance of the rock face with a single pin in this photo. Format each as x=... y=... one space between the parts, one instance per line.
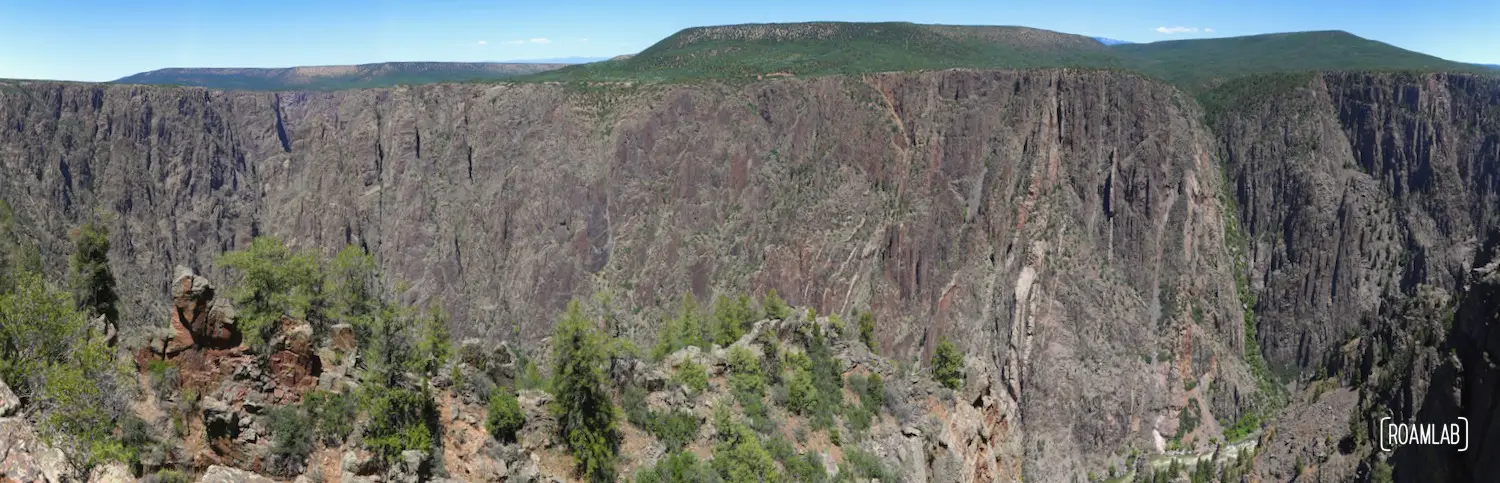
x=25 y=457
x=1065 y=228
x=1354 y=187
x=1466 y=383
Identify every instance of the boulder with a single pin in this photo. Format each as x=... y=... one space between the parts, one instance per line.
x=341 y=338
x=24 y=457
x=111 y=473
x=295 y=335
x=359 y=462
x=220 y=419
x=225 y=474
x=9 y=403
x=206 y=322
x=410 y=468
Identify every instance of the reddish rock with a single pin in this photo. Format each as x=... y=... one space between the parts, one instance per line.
x=206 y=322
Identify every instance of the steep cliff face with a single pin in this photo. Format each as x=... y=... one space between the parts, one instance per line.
x=1065 y=228
x=1463 y=382
x=1355 y=189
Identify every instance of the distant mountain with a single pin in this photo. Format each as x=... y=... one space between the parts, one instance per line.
x=1202 y=63
x=1492 y=66
x=819 y=48
x=1109 y=41
x=338 y=76
x=557 y=60
x=815 y=48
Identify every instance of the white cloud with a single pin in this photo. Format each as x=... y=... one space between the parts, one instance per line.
x=583 y=39
x=481 y=43
x=1177 y=30
x=1208 y=30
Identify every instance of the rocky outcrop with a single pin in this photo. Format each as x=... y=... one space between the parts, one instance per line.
x=199 y=320
x=25 y=457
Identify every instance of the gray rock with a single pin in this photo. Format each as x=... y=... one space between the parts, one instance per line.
x=9 y=403
x=25 y=457
x=359 y=462
x=410 y=468
x=225 y=474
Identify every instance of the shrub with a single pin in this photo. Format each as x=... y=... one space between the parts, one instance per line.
x=399 y=420
x=678 y=467
x=585 y=414
x=692 y=375
x=873 y=397
x=531 y=376
x=858 y=417
x=503 y=416
x=332 y=415
x=947 y=365
x=292 y=440
x=164 y=376
x=633 y=401
x=867 y=331
x=739 y=457
x=802 y=395
x=675 y=429
x=866 y=464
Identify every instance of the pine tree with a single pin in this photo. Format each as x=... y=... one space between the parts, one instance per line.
x=867 y=331
x=88 y=272
x=948 y=364
x=585 y=414
x=774 y=307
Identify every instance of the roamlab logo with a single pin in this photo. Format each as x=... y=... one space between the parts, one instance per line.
x=1394 y=434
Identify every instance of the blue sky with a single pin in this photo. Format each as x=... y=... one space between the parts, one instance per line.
x=98 y=40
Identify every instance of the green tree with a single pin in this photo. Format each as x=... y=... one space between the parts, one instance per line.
x=739 y=456
x=692 y=375
x=695 y=331
x=275 y=282
x=433 y=344
x=88 y=272
x=352 y=287
x=774 y=307
x=948 y=365
x=802 y=395
x=874 y=396
x=745 y=376
x=732 y=318
x=867 y=331
x=503 y=416
x=585 y=414
x=62 y=371
x=399 y=420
